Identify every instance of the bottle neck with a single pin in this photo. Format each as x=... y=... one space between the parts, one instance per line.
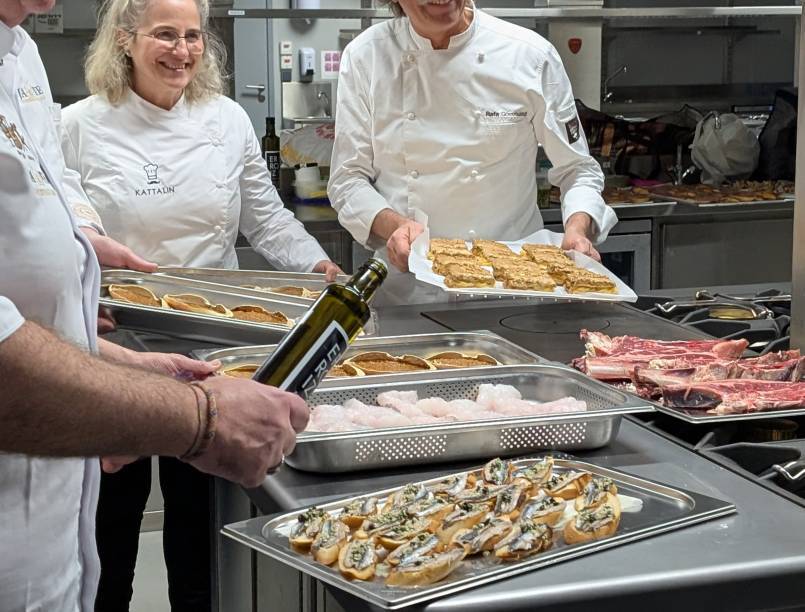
x=368 y=278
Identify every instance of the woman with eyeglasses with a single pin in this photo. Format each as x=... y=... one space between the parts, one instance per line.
x=174 y=170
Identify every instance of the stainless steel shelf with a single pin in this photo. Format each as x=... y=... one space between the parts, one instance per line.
x=703 y=12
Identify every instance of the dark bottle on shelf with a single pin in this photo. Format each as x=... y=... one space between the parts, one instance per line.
x=320 y=337
x=271 y=151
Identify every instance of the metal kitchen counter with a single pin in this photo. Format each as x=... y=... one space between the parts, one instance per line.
x=322 y=217
x=752 y=560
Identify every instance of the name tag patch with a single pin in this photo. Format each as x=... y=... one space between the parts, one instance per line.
x=573 y=128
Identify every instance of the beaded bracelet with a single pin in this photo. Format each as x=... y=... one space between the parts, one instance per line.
x=201 y=412
x=208 y=421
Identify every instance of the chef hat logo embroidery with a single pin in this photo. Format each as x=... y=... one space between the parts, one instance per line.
x=151 y=173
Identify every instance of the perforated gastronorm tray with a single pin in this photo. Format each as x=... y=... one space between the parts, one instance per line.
x=664 y=509
x=428 y=444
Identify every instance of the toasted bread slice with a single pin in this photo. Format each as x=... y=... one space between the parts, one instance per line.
x=245 y=370
x=484 y=249
x=561 y=271
x=539 y=282
x=585 y=281
x=135 y=294
x=378 y=362
x=464 y=275
x=594 y=523
x=258 y=314
x=331 y=537
x=189 y=302
x=452 y=360
x=426 y=570
x=357 y=560
x=535 y=251
x=443 y=260
x=447 y=242
x=567 y=485
x=343 y=370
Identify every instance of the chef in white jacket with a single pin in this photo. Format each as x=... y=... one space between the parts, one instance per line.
x=59 y=403
x=442 y=110
x=174 y=170
x=173 y=167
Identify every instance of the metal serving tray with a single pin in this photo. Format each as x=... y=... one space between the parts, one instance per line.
x=664 y=509
x=206 y=328
x=420 y=345
x=700 y=417
x=468 y=440
x=260 y=278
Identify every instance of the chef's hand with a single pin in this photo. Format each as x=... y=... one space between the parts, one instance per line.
x=579 y=230
x=115 y=255
x=110 y=465
x=257 y=427
x=399 y=243
x=171 y=364
x=328 y=268
x=175 y=365
x=106 y=320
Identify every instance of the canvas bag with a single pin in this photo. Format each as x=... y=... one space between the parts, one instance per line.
x=724 y=148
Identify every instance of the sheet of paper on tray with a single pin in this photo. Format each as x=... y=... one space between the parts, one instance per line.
x=420 y=266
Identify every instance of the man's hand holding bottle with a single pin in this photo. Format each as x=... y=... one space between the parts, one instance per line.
x=257 y=427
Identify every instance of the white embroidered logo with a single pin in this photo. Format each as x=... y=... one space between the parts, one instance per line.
x=151 y=173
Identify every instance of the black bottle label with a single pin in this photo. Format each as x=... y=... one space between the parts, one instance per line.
x=318 y=360
x=273 y=163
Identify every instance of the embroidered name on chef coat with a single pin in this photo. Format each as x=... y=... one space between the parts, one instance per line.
x=504 y=117
x=151 y=171
x=30 y=93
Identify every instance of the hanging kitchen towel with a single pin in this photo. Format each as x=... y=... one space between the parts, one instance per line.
x=724 y=148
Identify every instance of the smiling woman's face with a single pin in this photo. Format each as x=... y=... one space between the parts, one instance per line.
x=161 y=69
x=437 y=20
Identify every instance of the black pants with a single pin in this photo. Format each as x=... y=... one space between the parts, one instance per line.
x=185 y=538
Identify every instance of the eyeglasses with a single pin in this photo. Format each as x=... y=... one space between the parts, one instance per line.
x=194 y=39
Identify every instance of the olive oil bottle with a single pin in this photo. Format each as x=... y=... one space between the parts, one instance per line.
x=321 y=336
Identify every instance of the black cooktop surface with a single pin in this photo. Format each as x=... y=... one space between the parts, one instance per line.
x=552 y=330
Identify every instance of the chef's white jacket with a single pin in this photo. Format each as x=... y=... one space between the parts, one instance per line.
x=48 y=274
x=455 y=132
x=176 y=185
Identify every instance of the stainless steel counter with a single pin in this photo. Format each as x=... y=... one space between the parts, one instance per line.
x=753 y=560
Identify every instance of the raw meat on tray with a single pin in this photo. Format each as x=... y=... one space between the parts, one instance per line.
x=697 y=374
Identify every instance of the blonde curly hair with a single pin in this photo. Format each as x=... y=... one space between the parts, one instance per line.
x=107 y=68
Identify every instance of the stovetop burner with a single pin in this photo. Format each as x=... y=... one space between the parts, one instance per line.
x=762 y=319
x=770 y=453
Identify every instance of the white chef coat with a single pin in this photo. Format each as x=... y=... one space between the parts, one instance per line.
x=176 y=185
x=455 y=132
x=48 y=274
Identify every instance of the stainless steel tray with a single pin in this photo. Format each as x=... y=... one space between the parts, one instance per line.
x=468 y=440
x=664 y=509
x=722 y=204
x=260 y=278
x=206 y=328
x=421 y=345
x=700 y=417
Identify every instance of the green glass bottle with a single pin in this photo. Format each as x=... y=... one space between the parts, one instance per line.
x=322 y=335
